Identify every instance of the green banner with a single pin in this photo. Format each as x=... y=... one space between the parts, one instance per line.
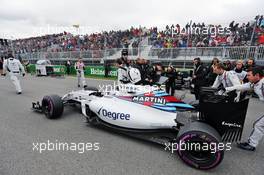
x=31 y=68
x=59 y=70
x=100 y=71
x=89 y=70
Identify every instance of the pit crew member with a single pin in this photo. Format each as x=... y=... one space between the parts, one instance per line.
x=79 y=66
x=256 y=83
x=14 y=69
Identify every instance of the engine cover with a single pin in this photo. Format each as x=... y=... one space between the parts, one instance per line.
x=131 y=115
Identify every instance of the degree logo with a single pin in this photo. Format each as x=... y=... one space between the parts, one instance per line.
x=113 y=115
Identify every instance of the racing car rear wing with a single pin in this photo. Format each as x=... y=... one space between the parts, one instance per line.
x=226 y=116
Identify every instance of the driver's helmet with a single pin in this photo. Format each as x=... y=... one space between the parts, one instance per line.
x=134 y=75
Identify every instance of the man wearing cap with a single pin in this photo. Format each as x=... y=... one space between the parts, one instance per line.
x=122 y=76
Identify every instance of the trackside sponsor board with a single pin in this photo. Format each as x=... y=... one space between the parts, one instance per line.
x=100 y=71
x=89 y=70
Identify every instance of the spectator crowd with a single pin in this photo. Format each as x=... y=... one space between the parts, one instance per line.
x=68 y=42
x=172 y=37
x=201 y=35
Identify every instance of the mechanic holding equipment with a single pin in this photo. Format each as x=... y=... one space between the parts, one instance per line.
x=14 y=69
x=79 y=66
x=256 y=83
x=226 y=78
x=198 y=78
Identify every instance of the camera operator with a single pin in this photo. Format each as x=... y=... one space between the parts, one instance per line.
x=256 y=83
x=198 y=78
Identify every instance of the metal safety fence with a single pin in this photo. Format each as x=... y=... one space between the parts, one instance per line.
x=240 y=52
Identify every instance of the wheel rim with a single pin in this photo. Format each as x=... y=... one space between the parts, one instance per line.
x=46 y=110
x=201 y=159
x=47 y=107
x=199 y=154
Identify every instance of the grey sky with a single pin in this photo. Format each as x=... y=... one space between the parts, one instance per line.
x=24 y=18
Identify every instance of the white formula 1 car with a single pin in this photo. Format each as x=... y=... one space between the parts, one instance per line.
x=149 y=113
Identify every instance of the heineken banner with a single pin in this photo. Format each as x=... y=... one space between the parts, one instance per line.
x=89 y=70
x=96 y=71
x=100 y=71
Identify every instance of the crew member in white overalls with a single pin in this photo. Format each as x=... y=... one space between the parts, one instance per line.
x=226 y=78
x=14 y=69
x=256 y=83
x=79 y=66
x=239 y=71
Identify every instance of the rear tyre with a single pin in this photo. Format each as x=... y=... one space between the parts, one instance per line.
x=52 y=106
x=198 y=146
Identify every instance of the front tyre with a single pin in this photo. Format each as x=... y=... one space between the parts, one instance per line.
x=52 y=106
x=198 y=146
